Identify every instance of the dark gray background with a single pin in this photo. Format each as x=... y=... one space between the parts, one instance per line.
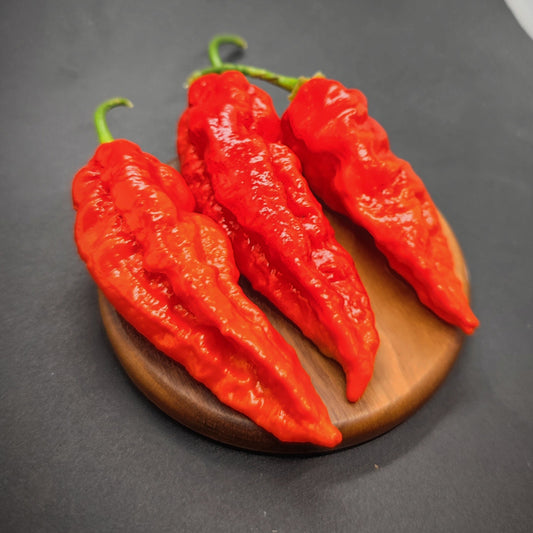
x=81 y=449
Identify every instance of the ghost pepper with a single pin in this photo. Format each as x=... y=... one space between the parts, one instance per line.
x=246 y=179
x=347 y=160
x=170 y=273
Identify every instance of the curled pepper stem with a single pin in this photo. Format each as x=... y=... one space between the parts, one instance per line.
x=217 y=40
x=218 y=66
x=102 y=130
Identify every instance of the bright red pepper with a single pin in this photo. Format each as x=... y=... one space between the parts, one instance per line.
x=229 y=144
x=170 y=273
x=348 y=163
x=347 y=160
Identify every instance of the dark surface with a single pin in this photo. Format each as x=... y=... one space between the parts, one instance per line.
x=81 y=449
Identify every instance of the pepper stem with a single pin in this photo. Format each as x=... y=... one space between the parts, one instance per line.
x=217 y=40
x=218 y=66
x=104 y=135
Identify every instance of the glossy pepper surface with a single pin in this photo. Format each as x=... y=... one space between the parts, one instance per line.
x=348 y=162
x=245 y=178
x=170 y=273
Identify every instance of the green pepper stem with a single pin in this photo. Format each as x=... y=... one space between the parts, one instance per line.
x=218 y=66
x=217 y=40
x=285 y=82
x=104 y=135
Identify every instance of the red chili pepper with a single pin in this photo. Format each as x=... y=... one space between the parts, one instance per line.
x=170 y=273
x=229 y=144
x=354 y=171
x=348 y=163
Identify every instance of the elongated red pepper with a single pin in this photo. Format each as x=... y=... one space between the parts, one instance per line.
x=170 y=273
x=348 y=162
x=229 y=144
x=346 y=158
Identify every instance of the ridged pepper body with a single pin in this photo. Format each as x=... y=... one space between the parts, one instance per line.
x=170 y=273
x=242 y=176
x=348 y=163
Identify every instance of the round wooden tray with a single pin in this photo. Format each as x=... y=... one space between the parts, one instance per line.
x=416 y=352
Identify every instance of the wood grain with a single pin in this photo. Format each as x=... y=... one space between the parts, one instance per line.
x=417 y=351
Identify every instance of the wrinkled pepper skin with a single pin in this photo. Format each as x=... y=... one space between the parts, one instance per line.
x=243 y=177
x=170 y=273
x=348 y=163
